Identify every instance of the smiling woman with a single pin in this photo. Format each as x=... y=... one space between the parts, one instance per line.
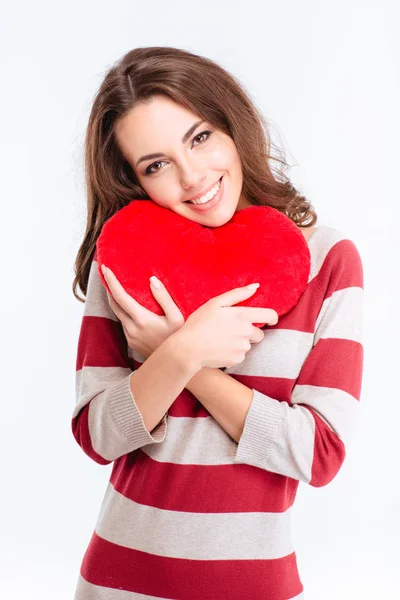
x=206 y=463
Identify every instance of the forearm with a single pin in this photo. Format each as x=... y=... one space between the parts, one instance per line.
x=303 y=441
x=225 y=398
x=160 y=379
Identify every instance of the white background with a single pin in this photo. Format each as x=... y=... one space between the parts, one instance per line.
x=326 y=74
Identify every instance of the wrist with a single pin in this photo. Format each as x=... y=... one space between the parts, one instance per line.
x=179 y=346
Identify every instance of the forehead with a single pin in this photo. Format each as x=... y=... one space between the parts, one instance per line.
x=149 y=123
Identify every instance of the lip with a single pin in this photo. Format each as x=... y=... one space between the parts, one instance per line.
x=203 y=193
x=212 y=203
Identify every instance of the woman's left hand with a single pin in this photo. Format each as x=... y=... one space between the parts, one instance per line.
x=144 y=330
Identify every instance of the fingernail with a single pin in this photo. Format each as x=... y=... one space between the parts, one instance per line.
x=104 y=270
x=253 y=286
x=155 y=282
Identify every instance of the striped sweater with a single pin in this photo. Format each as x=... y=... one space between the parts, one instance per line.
x=188 y=512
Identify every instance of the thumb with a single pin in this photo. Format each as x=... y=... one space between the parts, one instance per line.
x=165 y=300
x=236 y=295
x=257 y=315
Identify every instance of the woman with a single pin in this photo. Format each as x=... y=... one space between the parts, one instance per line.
x=206 y=462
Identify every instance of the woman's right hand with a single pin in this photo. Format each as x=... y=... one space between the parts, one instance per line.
x=218 y=334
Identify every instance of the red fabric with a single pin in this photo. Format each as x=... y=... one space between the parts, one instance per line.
x=112 y=566
x=197 y=262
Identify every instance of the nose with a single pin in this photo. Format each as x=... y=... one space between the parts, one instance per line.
x=192 y=175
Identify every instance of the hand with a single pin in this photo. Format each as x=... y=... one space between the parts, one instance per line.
x=218 y=334
x=144 y=330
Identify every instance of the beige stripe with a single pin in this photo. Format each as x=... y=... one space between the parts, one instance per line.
x=273 y=347
x=341 y=316
x=88 y=591
x=287 y=448
x=270 y=357
x=338 y=409
x=97 y=304
x=110 y=396
x=194 y=536
x=292 y=450
x=192 y=441
x=320 y=243
x=91 y=381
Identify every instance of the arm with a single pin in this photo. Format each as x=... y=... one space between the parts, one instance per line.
x=225 y=398
x=119 y=410
x=306 y=439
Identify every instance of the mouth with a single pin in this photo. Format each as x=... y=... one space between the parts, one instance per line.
x=213 y=201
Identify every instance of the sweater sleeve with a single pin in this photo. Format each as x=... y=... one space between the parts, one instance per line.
x=306 y=439
x=106 y=421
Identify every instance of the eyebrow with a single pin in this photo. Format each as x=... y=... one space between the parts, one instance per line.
x=184 y=139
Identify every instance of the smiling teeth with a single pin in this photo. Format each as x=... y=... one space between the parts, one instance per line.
x=209 y=196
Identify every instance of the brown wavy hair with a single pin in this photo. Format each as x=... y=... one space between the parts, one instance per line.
x=202 y=86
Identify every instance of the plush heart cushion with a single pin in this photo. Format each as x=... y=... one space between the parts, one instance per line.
x=197 y=262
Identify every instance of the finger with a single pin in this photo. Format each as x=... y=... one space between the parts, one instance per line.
x=118 y=311
x=236 y=295
x=164 y=299
x=257 y=336
x=256 y=314
x=261 y=315
x=124 y=300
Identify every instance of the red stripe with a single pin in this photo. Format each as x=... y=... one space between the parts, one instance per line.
x=334 y=363
x=101 y=343
x=329 y=453
x=80 y=430
x=117 y=567
x=201 y=488
x=342 y=267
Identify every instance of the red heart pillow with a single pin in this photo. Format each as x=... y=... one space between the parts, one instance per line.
x=197 y=262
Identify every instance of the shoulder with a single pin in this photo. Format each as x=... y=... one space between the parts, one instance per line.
x=335 y=254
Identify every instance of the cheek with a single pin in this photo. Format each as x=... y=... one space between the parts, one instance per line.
x=220 y=157
x=228 y=157
x=157 y=190
x=163 y=194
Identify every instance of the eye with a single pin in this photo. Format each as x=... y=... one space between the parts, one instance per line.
x=207 y=133
x=148 y=170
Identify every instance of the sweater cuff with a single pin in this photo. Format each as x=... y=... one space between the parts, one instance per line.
x=260 y=431
x=129 y=419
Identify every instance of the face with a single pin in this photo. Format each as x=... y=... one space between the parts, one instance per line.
x=189 y=158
